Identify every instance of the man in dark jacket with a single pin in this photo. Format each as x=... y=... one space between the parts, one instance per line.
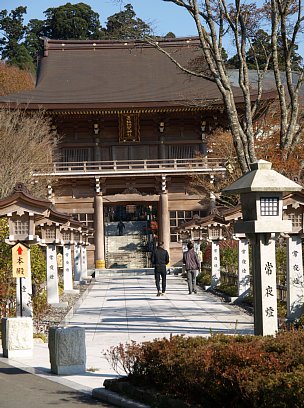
x=160 y=258
x=192 y=264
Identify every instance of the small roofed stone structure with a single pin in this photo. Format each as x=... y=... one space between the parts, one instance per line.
x=261 y=191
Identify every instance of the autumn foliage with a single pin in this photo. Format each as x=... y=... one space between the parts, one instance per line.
x=13 y=79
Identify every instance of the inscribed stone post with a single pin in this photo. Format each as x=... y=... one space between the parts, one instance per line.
x=243 y=267
x=77 y=263
x=295 y=292
x=265 y=286
x=215 y=263
x=67 y=268
x=51 y=275
x=84 y=265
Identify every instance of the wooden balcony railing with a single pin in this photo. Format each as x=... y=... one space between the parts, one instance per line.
x=135 y=167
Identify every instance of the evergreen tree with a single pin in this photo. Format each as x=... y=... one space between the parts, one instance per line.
x=72 y=22
x=13 y=31
x=125 y=26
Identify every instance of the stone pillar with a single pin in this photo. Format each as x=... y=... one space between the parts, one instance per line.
x=99 y=232
x=77 y=263
x=215 y=263
x=165 y=220
x=84 y=265
x=265 y=285
x=17 y=337
x=51 y=275
x=295 y=290
x=67 y=268
x=24 y=291
x=67 y=350
x=243 y=268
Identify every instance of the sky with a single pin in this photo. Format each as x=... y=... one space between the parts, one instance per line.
x=162 y=16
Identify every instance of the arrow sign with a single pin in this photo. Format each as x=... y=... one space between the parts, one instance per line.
x=20 y=258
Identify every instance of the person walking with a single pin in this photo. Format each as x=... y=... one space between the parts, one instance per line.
x=160 y=258
x=192 y=266
x=120 y=226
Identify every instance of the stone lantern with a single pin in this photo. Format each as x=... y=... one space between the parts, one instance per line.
x=215 y=232
x=22 y=211
x=261 y=191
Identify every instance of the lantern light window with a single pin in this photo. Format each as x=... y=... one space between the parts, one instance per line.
x=66 y=235
x=269 y=206
x=21 y=227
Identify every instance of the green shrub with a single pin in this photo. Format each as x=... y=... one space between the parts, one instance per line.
x=204 y=279
x=229 y=259
x=228 y=289
x=221 y=371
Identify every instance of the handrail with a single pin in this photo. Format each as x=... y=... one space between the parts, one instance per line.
x=127 y=166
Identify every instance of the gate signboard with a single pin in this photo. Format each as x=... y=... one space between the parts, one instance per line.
x=20 y=256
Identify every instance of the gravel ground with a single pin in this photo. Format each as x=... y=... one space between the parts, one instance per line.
x=55 y=315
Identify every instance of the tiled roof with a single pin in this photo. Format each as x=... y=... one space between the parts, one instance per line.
x=116 y=74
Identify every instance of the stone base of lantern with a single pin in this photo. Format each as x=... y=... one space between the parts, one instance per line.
x=17 y=337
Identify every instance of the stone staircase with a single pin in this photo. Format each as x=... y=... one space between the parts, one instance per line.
x=128 y=250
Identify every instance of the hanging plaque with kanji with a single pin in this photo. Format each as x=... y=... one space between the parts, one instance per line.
x=129 y=127
x=20 y=257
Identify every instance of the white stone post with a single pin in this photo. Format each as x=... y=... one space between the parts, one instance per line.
x=26 y=295
x=215 y=263
x=243 y=268
x=67 y=268
x=84 y=265
x=17 y=337
x=51 y=275
x=295 y=292
x=77 y=263
x=265 y=285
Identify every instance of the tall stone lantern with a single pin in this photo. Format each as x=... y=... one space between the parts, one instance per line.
x=261 y=191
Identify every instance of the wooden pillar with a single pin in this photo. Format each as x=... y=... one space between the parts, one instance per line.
x=164 y=215
x=99 y=232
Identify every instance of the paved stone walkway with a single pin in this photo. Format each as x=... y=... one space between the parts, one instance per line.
x=122 y=308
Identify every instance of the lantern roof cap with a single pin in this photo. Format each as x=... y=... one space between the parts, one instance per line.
x=262 y=178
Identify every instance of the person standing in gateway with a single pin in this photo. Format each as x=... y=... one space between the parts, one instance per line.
x=160 y=258
x=192 y=265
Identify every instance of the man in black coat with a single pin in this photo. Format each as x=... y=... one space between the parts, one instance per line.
x=160 y=258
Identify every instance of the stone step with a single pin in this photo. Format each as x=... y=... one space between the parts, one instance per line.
x=131 y=228
x=99 y=273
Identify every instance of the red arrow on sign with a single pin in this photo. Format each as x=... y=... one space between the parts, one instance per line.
x=19 y=250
